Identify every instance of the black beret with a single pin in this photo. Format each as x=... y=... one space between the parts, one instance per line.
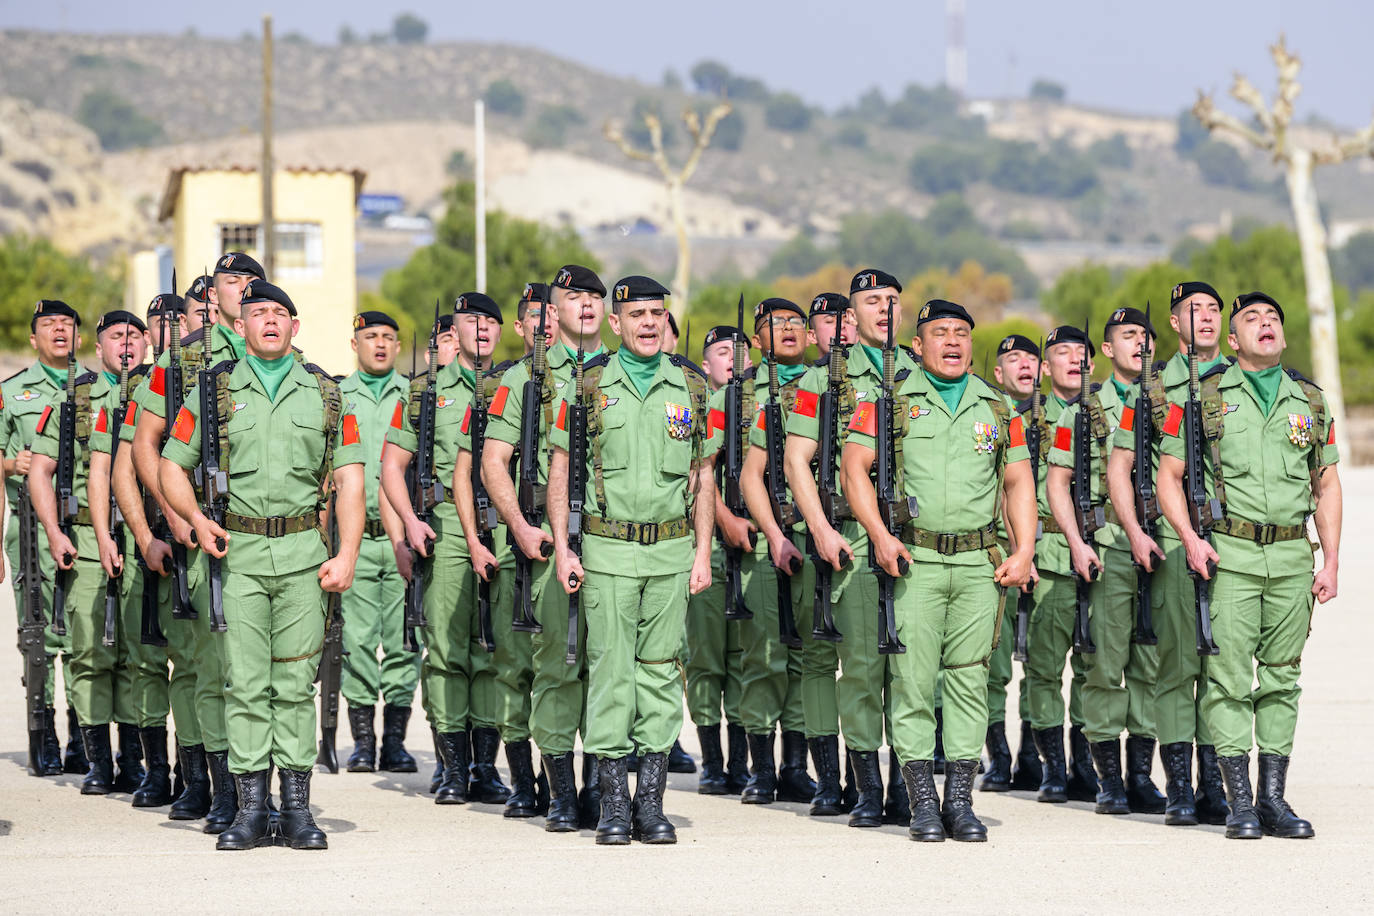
x=535 y=292
x=635 y=288
x=53 y=308
x=829 y=304
x=942 y=308
x=776 y=304
x=582 y=279
x=869 y=278
x=1069 y=334
x=236 y=262
x=445 y=323
x=374 y=320
x=164 y=302
x=1184 y=290
x=262 y=291
x=1128 y=316
x=199 y=289
x=1018 y=342
x=478 y=304
x=672 y=324
x=118 y=316
x=723 y=332
x=1256 y=298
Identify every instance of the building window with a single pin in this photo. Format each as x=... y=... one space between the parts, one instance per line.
x=238 y=237
x=300 y=251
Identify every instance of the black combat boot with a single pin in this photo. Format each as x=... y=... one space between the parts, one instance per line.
x=224 y=801
x=1082 y=781
x=957 y=812
x=524 y=798
x=194 y=801
x=51 y=758
x=541 y=793
x=360 y=723
x=589 y=799
x=763 y=778
x=1143 y=795
x=939 y=741
x=1211 y=793
x=485 y=785
x=925 y=825
x=794 y=783
x=825 y=754
x=100 y=778
x=632 y=761
x=563 y=813
x=651 y=825
x=395 y=757
x=251 y=827
x=129 y=772
x=1111 y=791
x=438 y=775
x=737 y=764
x=156 y=788
x=850 y=795
x=75 y=760
x=679 y=761
x=868 y=775
x=1275 y=814
x=1054 y=783
x=453 y=785
x=1027 y=774
x=613 y=827
x=897 y=808
x=1180 y=806
x=1243 y=823
x=297 y=826
x=712 y=781
x=998 y=775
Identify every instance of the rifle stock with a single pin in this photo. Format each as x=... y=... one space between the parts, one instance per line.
x=329 y=673
x=1088 y=517
x=736 y=429
x=1146 y=501
x=894 y=510
x=65 y=484
x=530 y=493
x=577 y=494
x=29 y=577
x=1203 y=511
x=827 y=487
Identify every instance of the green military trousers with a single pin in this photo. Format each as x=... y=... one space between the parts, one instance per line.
x=513 y=661
x=1000 y=667
x=946 y=615
x=1261 y=625
x=54 y=645
x=865 y=675
x=558 y=691
x=208 y=657
x=634 y=683
x=271 y=653
x=1179 y=685
x=458 y=676
x=94 y=668
x=1049 y=640
x=148 y=696
x=1118 y=687
x=373 y=616
x=713 y=657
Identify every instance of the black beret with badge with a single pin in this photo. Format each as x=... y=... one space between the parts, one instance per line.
x=1190 y=288
x=53 y=308
x=118 y=316
x=1245 y=300
x=776 y=304
x=1128 y=316
x=199 y=290
x=829 y=304
x=870 y=278
x=239 y=264
x=722 y=332
x=936 y=309
x=262 y=291
x=1069 y=334
x=579 y=279
x=1020 y=342
x=374 y=319
x=635 y=288
x=478 y=304
x=165 y=302
x=445 y=323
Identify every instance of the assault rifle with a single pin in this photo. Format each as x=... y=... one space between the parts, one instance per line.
x=530 y=493
x=330 y=671
x=1203 y=511
x=31 y=625
x=426 y=490
x=894 y=510
x=1146 y=500
x=173 y=389
x=486 y=512
x=211 y=477
x=1025 y=598
x=784 y=513
x=736 y=431
x=112 y=583
x=577 y=493
x=827 y=487
x=1088 y=517
x=66 y=489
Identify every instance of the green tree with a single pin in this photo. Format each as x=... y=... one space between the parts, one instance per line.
x=709 y=76
x=920 y=107
x=745 y=89
x=852 y=135
x=33 y=269
x=986 y=337
x=940 y=168
x=951 y=214
x=729 y=133
x=116 y=122
x=409 y=29
x=1221 y=164
x=786 y=111
x=550 y=127
x=797 y=257
x=504 y=97
x=1353 y=263
x=1048 y=90
x=1191 y=133
x=1113 y=152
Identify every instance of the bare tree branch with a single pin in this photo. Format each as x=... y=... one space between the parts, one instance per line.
x=1205 y=110
x=701 y=136
x=613 y=132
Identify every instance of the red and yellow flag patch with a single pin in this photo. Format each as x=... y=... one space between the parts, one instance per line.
x=1128 y=419
x=43 y=419
x=398 y=416
x=1063 y=439
x=865 y=420
x=1016 y=433
x=158 y=383
x=498 y=401
x=1173 y=421
x=350 y=430
x=806 y=404
x=102 y=422
x=185 y=426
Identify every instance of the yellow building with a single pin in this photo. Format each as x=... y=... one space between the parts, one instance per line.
x=215 y=209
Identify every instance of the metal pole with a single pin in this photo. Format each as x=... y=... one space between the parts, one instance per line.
x=266 y=169
x=480 y=176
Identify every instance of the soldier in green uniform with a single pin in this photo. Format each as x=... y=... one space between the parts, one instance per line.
x=713 y=667
x=99 y=670
x=1018 y=372
x=962 y=455
x=53 y=333
x=1051 y=621
x=372 y=607
x=458 y=677
x=1196 y=317
x=1118 y=692
x=285 y=438
x=649 y=466
x=1270 y=465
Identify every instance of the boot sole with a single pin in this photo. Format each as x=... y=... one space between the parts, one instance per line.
x=1180 y=820
x=1147 y=809
x=449 y=800
x=825 y=811
x=1244 y=834
x=994 y=786
x=927 y=837
x=560 y=828
x=755 y=800
x=215 y=829
x=150 y=802
x=1053 y=799
x=520 y=813
x=97 y=790
x=865 y=822
x=243 y=847
x=617 y=840
x=309 y=846
x=1112 y=809
x=400 y=768
x=970 y=838
x=712 y=790
x=184 y=815
x=362 y=768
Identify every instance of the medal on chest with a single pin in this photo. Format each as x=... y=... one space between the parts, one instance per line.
x=679 y=420
x=1300 y=430
x=984 y=437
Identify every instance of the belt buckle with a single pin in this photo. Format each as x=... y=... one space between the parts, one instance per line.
x=946 y=544
x=1266 y=534
x=276 y=526
x=647 y=535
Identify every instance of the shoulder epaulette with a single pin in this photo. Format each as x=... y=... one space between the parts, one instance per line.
x=900 y=375
x=995 y=390
x=499 y=369
x=15 y=375
x=224 y=366
x=749 y=373
x=823 y=361
x=86 y=378
x=1095 y=387
x=194 y=337
x=1160 y=365
x=139 y=371
x=1025 y=404
x=599 y=361
x=910 y=352
x=1297 y=376
x=683 y=362
x=338 y=379
x=1218 y=369
x=318 y=372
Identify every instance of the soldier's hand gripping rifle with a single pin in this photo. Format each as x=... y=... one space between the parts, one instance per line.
x=330 y=671
x=113 y=583
x=577 y=493
x=1088 y=517
x=149 y=626
x=731 y=467
x=1146 y=500
x=212 y=479
x=29 y=577
x=1025 y=598
x=65 y=484
x=530 y=493
x=426 y=490
x=173 y=389
x=827 y=487
x=895 y=510
x=487 y=519
x=1203 y=511
x=784 y=513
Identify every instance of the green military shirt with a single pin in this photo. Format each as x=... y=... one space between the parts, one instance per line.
x=647 y=448
x=103 y=436
x=225 y=344
x=102 y=394
x=373 y=413
x=1051 y=548
x=274 y=461
x=22 y=399
x=1061 y=455
x=948 y=458
x=453 y=394
x=505 y=556
x=1266 y=464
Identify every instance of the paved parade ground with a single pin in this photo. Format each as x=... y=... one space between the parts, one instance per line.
x=393 y=850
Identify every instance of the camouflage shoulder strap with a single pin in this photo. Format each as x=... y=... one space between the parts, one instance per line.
x=224 y=409
x=417 y=390
x=333 y=409
x=83 y=416
x=595 y=403
x=1097 y=424
x=699 y=395
x=901 y=424
x=1213 y=427
x=1316 y=401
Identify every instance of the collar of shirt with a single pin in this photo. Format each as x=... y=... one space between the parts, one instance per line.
x=354 y=384
x=243 y=377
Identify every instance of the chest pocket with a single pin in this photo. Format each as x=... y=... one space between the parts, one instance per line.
x=1237 y=446
x=245 y=454
x=615 y=441
x=307 y=440
x=676 y=433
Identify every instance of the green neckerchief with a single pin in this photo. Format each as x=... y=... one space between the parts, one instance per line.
x=376 y=383
x=640 y=370
x=271 y=372
x=57 y=376
x=785 y=373
x=586 y=354
x=950 y=391
x=111 y=377
x=875 y=356
x=236 y=343
x=468 y=375
x=1058 y=400
x=1121 y=390
x=1203 y=368
x=1265 y=384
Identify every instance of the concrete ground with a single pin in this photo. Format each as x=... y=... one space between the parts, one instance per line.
x=393 y=850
